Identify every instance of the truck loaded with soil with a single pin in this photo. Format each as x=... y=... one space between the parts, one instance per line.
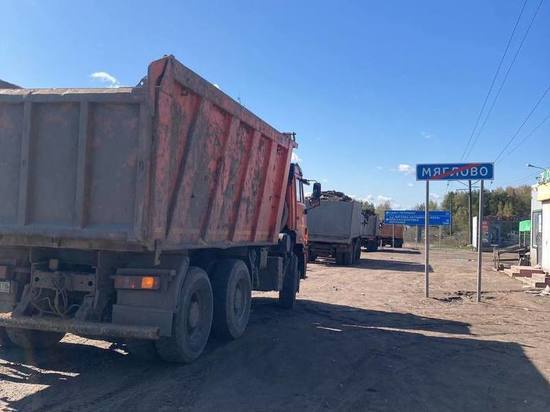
x=143 y=215
x=336 y=228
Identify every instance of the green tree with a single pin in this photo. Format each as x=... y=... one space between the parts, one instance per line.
x=381 y=208
x=367 y=208
x=421 y=206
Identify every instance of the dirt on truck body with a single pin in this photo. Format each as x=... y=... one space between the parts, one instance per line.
x=143 y=214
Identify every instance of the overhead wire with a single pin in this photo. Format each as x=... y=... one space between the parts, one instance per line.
x=528 y=135
x=533 y=109
x=505 y=78
x=495 y=76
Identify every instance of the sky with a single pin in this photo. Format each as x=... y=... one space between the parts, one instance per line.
x=371 y=88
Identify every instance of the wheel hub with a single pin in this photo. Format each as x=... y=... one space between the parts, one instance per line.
x=194 y=314
x=238 y=305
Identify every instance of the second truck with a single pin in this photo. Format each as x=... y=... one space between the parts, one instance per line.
x=336 y=228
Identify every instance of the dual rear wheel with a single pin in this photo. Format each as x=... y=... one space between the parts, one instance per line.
x=351 y=255
x=220 y=305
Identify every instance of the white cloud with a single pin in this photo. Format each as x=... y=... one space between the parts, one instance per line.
x=410 y=184
x=368 y=198
x=427 y=135
x=295 y=158
x=434 y=196
x=405 y=169
x=106 y=78
x=382 y=198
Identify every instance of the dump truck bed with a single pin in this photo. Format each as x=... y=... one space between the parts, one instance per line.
x=335 y=221
x=172 y=164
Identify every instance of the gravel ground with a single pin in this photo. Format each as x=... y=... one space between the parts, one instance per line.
x=360 y=338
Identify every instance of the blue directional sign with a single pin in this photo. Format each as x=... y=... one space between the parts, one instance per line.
x=455 y=171
x=416 y=217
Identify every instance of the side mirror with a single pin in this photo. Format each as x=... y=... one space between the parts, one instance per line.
x=316 y=190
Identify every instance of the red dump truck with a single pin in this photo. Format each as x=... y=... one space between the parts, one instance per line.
x=391 y=235
x=143 y=215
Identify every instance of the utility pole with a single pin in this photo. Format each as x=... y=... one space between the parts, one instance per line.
x=470 y=228
x=479 y=242
x=451 y=213
x=427 y=242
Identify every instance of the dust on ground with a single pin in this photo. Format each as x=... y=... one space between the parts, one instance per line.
x=360 y=338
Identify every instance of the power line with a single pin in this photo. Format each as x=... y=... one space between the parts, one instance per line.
x=523 y=123
x=528 y=135
x=489 y=112
x=525 y=178
x=494 y=80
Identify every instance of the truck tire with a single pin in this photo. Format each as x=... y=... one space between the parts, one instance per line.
x=232 y=291
x=192 y=321
x=345 y=258
x=33 y=339
x=398 y=244
x=372 y=246
x=287 y=296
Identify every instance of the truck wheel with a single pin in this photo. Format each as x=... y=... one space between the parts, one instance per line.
x=398 y=244
x=345 y=258
x=372 y=246
x=192 y=321
x=232 y=297
x=287 y=296
x=33 y=339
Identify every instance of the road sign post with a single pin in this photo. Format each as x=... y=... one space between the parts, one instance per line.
x=453 y=171
x=427 y=242
x=479 y=242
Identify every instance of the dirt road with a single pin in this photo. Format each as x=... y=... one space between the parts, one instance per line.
x=360 y=338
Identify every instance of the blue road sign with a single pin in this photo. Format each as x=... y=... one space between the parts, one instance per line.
x=455 y=171
x=416 y=217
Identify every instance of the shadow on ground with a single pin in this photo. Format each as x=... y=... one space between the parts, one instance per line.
x=319 y=356
x=368 y=262
x=393 y=265
x=399 y=251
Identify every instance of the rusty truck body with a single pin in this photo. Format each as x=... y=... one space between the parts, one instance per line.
x=144 y=215
x=391 y=235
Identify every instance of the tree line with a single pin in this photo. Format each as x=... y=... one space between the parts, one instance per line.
x=510 y=203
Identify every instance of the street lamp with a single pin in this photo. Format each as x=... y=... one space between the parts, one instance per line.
x=535 y=167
